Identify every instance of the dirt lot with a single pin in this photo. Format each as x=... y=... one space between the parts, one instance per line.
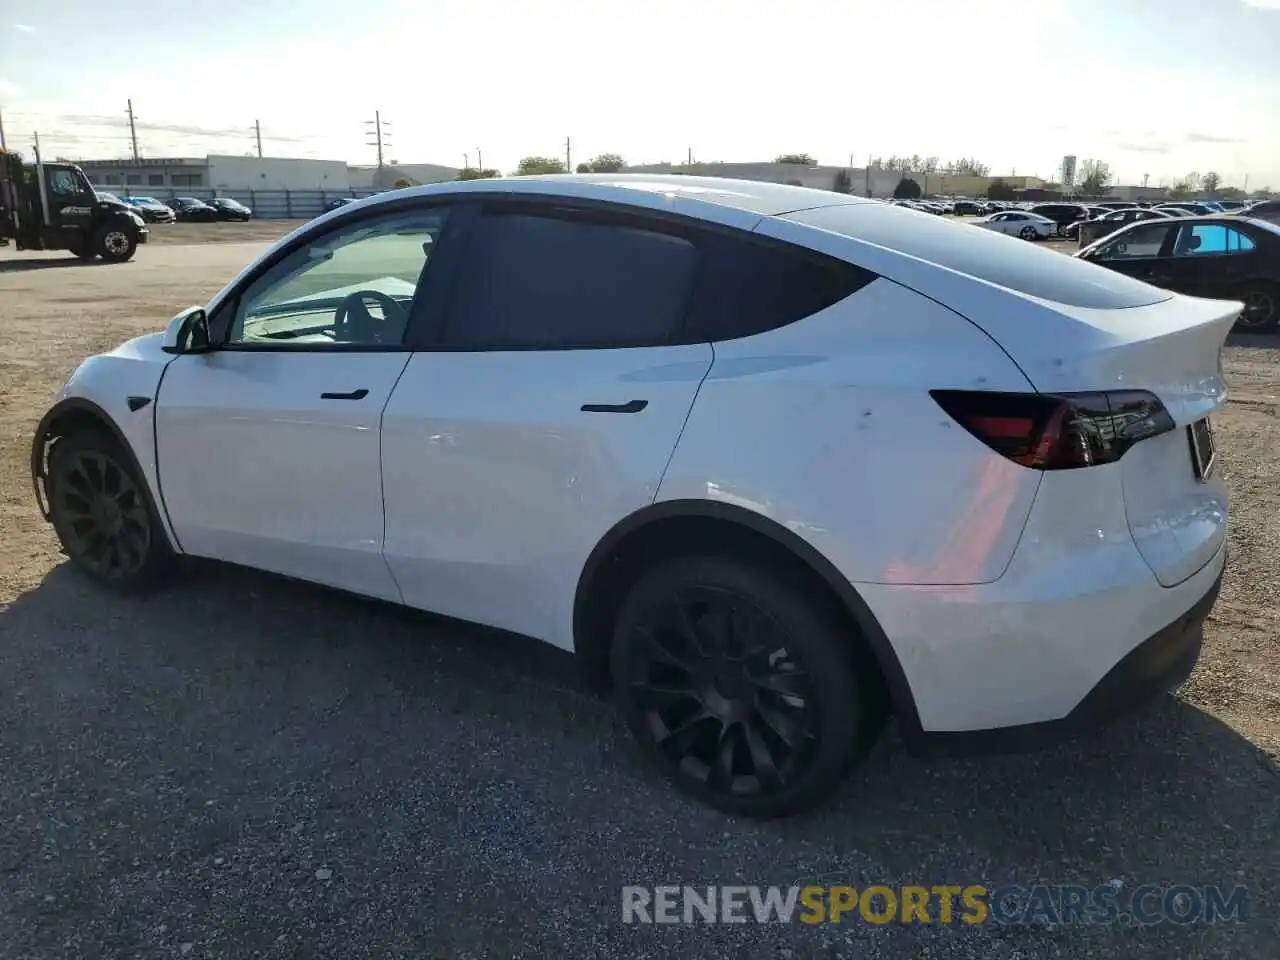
x=245 y=766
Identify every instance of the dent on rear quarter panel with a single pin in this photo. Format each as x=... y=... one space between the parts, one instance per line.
x=827 y=427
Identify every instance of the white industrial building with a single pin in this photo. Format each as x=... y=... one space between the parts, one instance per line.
x=231 y=174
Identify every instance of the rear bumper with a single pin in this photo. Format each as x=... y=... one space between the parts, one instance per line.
x=1157 y=665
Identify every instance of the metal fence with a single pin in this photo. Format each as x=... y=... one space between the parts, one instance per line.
x=265 y=204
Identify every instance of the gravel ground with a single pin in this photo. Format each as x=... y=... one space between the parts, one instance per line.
x=244 y=766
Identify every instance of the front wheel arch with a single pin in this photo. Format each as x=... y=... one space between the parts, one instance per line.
x=677 y=527
x=71 y=415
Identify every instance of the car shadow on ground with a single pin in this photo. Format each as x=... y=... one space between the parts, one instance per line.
x=45 y=263
x=1265 y=341
x=196 y=725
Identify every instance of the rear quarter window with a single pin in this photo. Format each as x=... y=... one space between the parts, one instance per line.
x=1007 y=262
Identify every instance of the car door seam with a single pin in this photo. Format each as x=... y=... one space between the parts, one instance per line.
x=382 y=480
x=155 y=454
x=684 y=423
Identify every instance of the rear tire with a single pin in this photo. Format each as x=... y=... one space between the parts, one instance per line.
x=115 y=244
x=1261 y=308
x=1028 y=233
x=740 y=687
x=103 y=514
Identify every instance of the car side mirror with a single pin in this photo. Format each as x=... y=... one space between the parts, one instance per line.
x=188 y=332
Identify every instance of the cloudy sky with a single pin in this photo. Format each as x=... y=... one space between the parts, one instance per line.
x=1156 y=87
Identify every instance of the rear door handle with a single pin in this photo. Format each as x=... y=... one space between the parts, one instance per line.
x=353 y=395
x=631 y=406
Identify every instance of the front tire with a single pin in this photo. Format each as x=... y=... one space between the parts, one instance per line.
x=115 y=244
x=1028 y=233
x=740 y=687
x=103 y=515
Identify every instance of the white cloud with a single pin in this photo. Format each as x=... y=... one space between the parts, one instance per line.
x=9 y=88
x=1262 y=4
x=24 y=27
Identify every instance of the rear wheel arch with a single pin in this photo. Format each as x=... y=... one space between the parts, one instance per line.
x=679 y=527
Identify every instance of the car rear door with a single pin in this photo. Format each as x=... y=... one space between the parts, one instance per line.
x=268 y=446
x=542 y=410
x=1213 y=259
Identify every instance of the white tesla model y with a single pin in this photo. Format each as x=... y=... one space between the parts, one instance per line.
x=777 y=462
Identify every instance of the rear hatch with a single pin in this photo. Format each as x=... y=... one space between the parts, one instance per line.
x=1075 y=327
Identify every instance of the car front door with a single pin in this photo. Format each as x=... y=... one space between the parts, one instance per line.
x=1143 y=252
x=268 y=446
x=542 y=412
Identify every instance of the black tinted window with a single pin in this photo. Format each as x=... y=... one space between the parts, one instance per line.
x=535 y=280
x=751 y=286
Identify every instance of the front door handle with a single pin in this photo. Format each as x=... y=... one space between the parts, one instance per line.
x=631 y=406
x=353 y=395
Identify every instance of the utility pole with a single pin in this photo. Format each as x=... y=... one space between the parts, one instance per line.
x=479 y=159
x=568 y=156
x=1145 y=178
x=688 y=162
x=381 y=133
x=133 y=132
x=2 y=146
x=466 y=161
x=35 y=138
x=257 y=134
x=867 y=175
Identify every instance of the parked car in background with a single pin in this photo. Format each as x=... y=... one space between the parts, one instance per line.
x=151 y=209
x=229 y=209
x=106 y=195
x=1222 y=257
x=1114 y=204
x=1061 y=214
x=969 y=208
x=1232 y=205
x=340 y=202
x=191 y=209
x=1187 y=208
x=1019 y=223
x=1268 y=210
x=637 y=492
x=1111 y=221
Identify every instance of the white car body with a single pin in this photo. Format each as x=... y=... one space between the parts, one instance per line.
x=474 y=484
x=1019 y=223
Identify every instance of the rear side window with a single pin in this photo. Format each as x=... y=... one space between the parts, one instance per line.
x=559 y=279
x=1136 y=243
x=750 y=286
x=984 y=254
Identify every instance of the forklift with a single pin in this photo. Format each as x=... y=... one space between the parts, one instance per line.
x=52 y=206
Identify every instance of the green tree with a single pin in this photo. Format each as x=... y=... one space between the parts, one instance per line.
x=1263 y=194
x=1185 y=187
x=801 y=159
x=1210 y=182
x=473 y=173
x=604 y=163
x=999 y=190
x=531 y=166
x=843 y=182
x=907 y=189
x=1095 y=175
x=402 y=183
x=968 y=167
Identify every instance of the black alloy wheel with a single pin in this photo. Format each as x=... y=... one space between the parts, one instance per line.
x=737 y=688
x=101 y=513
x=1260 y=304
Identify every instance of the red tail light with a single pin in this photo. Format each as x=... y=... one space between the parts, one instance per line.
x=1062 y=431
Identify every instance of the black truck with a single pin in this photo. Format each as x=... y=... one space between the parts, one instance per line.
x=52 y=206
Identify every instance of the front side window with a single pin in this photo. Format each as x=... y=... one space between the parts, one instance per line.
x=1138 y=242
x=354 y=285
x=63 y=183
x=1201 y=239
x=560 y=279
